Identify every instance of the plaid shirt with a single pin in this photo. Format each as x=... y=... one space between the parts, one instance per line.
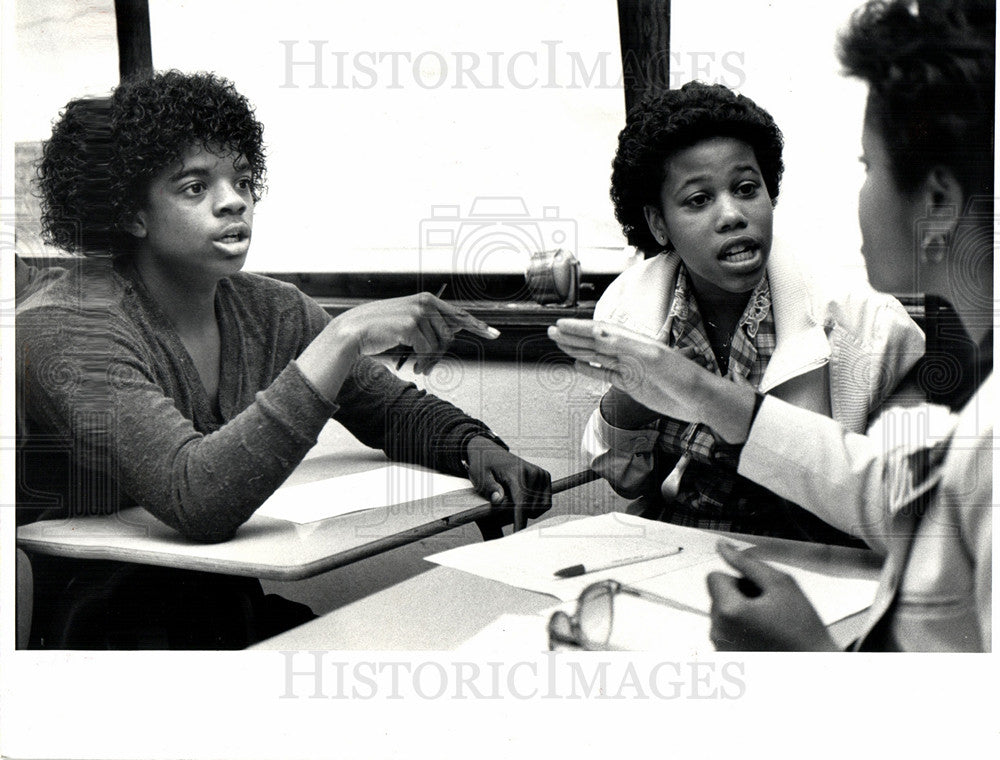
x=711 y=494
x=749 y=353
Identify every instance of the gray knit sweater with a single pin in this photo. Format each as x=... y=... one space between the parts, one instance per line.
x=112 y=412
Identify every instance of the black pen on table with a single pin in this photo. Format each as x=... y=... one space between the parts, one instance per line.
x=406 y=354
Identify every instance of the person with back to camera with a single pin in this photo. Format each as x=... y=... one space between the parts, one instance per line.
x=178 y=382
x=694 y=183
x=926 y=213
x=918 y=487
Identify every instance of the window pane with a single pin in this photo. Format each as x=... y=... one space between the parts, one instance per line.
x=781 y=53
x=63 y=49
x=394 y=127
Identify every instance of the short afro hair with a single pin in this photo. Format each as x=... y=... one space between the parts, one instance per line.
x=96 y=168
x=930 y=68
x=662 y=123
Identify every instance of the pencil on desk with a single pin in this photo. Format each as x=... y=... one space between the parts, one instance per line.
x=574 y=570
x=406 y=354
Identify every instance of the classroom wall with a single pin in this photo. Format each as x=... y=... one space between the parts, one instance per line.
x=392 y=151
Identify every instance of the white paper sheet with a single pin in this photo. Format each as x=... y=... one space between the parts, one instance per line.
x=639 y=625
x=509 y=634
x=529 y=559
x=381 y=487
x=833 y=597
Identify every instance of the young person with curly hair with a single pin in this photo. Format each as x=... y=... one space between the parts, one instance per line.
x=694 y=183
x=155 y=372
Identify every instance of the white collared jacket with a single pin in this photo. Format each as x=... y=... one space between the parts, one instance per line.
x=839 y=353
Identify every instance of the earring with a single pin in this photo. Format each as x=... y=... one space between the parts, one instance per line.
x=933 y=247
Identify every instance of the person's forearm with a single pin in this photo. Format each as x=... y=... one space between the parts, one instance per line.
x=726 y=407
x=854 y=482
x=383 y=411
x=327 y=361
x=625 y=461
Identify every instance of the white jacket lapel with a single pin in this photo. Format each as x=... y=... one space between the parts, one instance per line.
x=639 y=299
x=802 y=343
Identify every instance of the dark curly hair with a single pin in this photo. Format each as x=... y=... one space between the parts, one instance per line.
x=930 y=69
x=96 y=168
x=667 y=121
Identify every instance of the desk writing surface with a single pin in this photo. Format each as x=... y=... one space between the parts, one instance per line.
x=442 y=608
x=538 y=409
x=264 y=547
x=438 y=609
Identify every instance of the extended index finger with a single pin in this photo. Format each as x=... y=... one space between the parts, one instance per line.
x=588 y=334
x=460 y=319
x=571 y=343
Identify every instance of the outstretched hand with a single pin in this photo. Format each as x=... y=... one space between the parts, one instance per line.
x=660 y=378
x=620 y=410
x=423 y=322
x=514 y=487
x=764 y=609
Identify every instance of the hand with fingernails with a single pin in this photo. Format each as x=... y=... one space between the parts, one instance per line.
x=422 y=321
x=517 y=489
x=762 y=609
x=661 y=379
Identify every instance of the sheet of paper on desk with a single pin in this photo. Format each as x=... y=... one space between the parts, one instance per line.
x=833 y=597
x=509 y=634
x=530 y=558
x=640 y=626
x=381 y=487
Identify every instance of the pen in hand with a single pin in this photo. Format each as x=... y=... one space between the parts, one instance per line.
x=574 y=570
x=406 y=354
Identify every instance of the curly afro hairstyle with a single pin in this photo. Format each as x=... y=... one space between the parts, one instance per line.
x=664 y=122
x=930 y=68
x=96 y=169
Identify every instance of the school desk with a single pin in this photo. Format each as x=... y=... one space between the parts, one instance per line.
x=538 y=408
x=266 y=547
x=443 y=607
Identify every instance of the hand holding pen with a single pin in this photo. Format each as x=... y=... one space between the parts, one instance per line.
x=406 y=353
x=423 y=322
x=449 y=320
x=762 y=608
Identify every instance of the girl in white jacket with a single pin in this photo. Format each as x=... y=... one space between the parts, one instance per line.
x=694 y=183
